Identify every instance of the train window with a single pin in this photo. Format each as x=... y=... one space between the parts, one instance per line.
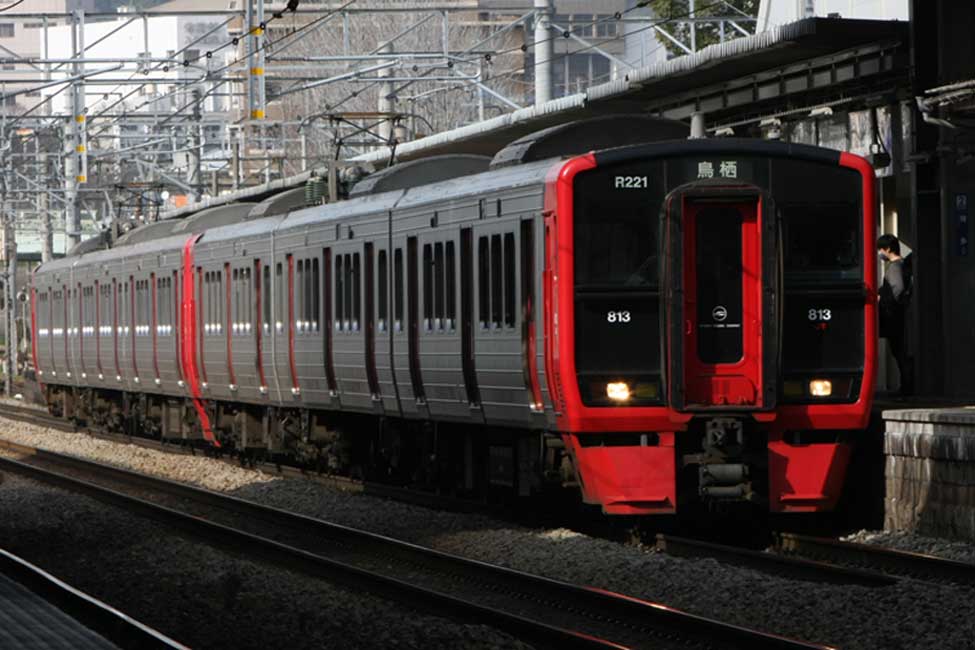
x=279 y=297
x=244 y=300
x=127 y=308
x=349 y=314
x=159 y=283
x=221 y=300
x=266 y=299
x=307 y=301
x=147 y=290
x=451 y=288
x=616 y=230
x=210 y=309
x=427 y=287
x=315 y=295
x=207 y=302
x=382 y=291
x=398 y=289
x=169 y=303
x=144 y=304
x=438 y=275
x=139 y=308
x=327 y=298
x=822 y=238
x=104 y=315
x=483 y=283
x=161 y=302
x=111 y=313
x=235 y=303
x=205 y=310
x=212 y=302
x=166 y=302
x=339 y=293
x=119 y=307
x=156 y=293
x=115 y=309
x=509 y=280
x=300 y=297
x=356 y=292
x=496 y=281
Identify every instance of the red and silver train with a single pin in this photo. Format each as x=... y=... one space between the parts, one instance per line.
x=662 y=324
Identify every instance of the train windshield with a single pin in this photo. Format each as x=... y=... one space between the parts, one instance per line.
x=616 y=232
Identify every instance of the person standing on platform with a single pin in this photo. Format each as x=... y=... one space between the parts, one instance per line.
x=895 y=294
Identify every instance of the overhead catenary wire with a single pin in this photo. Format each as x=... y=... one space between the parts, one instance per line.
x=11 y=6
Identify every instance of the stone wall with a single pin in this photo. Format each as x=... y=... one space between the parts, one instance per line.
x=930 y=472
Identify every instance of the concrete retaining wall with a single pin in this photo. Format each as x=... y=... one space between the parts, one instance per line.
x=930 y=472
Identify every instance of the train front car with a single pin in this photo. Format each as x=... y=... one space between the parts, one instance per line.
x=711 y=315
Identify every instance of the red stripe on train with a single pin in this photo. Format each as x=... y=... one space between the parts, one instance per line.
x=187 y=326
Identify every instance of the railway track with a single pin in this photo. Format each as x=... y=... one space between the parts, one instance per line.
x=540 y=610
x=796 y=568
x=819 y=559
x=876 y=558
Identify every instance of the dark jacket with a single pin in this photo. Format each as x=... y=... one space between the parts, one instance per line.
x=892 y=296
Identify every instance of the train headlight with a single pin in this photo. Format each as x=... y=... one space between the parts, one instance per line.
x=820 y=388
x=618 y=391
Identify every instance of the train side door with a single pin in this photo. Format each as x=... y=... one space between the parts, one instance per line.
x=723 y=349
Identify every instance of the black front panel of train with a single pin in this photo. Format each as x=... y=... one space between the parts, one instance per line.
x=822 y=223
x=617 y=246
x=617 y=293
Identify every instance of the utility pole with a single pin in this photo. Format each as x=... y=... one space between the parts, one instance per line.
x=386 y=101
x=44 y=208
x=254 y=16
x=543 y=51
x=76 y=155
x=10 y=281
x=194 y=176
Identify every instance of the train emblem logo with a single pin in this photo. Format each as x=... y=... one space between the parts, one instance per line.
x=719 y=313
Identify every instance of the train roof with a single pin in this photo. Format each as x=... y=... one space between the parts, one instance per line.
x=583 y=136
x=420 y=172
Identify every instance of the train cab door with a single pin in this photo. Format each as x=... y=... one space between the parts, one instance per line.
x=722 y=310
x=723 y=328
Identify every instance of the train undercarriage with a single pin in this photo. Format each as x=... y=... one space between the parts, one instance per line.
x=720 y=463
x=451 y=458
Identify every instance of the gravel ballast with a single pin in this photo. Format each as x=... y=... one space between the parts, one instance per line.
x=901 y=541
x=202 y=596
x=910 y=614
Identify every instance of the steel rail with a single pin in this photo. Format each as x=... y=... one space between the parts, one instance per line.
x=104 y=619
x=890 y=561
x=772 y=563
x=532 y=607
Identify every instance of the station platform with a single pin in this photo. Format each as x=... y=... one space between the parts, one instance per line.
x=40 y=612
x=865 y=502
x=929 y=469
